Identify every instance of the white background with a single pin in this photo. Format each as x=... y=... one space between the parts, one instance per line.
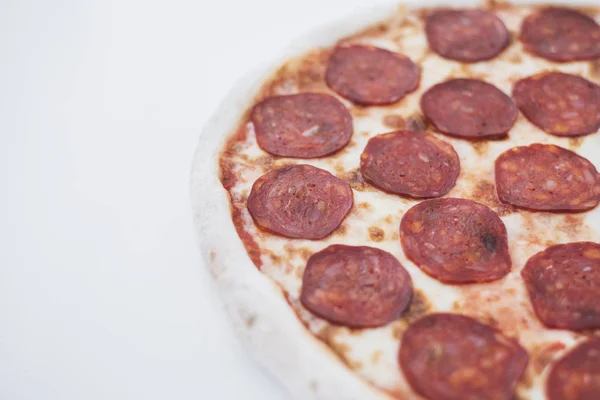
x=102 y=291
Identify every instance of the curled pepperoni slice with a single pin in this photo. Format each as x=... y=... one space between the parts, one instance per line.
x=453 y=357
x=563 y=282
x=356 y=286
x=456 y=241
x=410 y=163
x=306 y=125
x=576 y=375
x=547 y=177
x=299 y=201
x=559 y=104
x=561 y=34
x=469 y=108
x=371 y=76
x=466 y=35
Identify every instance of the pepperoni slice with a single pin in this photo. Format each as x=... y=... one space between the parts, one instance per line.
x=456 y=241
x=358 y=287
x=306 y=125
x=410 y=163
x=469 y=108
x=560 y=104
x=371 y=76
x=576 y=375
x=547 y=177
x=453 y=357
x=299 y=201
x=466 y=35
x=563 y=282
x=561 y=34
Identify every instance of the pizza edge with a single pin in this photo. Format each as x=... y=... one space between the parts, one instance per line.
x=262 y=318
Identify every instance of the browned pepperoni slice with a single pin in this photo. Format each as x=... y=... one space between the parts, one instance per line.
x=356 y=286
x=299 y=201
x=466 y=35
x=469 y=108
x=453 y=357
x=547 y=177
x=371 y=76
x=306 y=125
x=456 y=241
x=562 y=35
x=410 y=163
x=563 y=282
x=576 y=376
x=560 y=104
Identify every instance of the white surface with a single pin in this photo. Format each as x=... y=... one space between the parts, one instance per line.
x=102 y=294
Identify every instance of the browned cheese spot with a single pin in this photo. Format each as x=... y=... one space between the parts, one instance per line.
x=359 y=111
x=481 y=146
x=364 y=206
x=341 y=230
x=355 y=179
x=419 y=306
x=328 y=334
x=417 y=123
x=575 y=142
x=543 y=354
x=595 y=69
x=264 y=161
x=376 y=356
x=485 y=192
x=394 y=121
x=274 y=257
x=376 y=234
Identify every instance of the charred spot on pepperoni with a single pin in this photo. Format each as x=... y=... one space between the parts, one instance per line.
x=563 y=282
x=306 y=125
x=466 y=35
x=560 y=104
x=358 y=287
x=299 y=201
x=469 y=108
x=371 y=76
x=456 y=241
x=577 y=374
x=453 y=357
x=547 y=177
x=561 y=34
x=410 y=163
x=489 y=241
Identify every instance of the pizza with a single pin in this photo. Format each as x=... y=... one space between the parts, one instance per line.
x=409 y=209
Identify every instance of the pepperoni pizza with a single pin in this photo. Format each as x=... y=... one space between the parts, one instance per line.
x=416 y=208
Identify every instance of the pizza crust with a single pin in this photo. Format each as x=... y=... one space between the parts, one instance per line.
x=261 y=315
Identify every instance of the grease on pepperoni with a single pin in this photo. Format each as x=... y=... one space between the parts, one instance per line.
x=469 y=108
x=357 y=287
x=453 y=357
x=456 y=241
x=563 y=282
x=371 y=76
x=561 y=34
x=466 y=35
x=547 y=177
x=306 y=125
x=410 y=163
x=560 y=104
x=299 y=201
x=576 y=376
